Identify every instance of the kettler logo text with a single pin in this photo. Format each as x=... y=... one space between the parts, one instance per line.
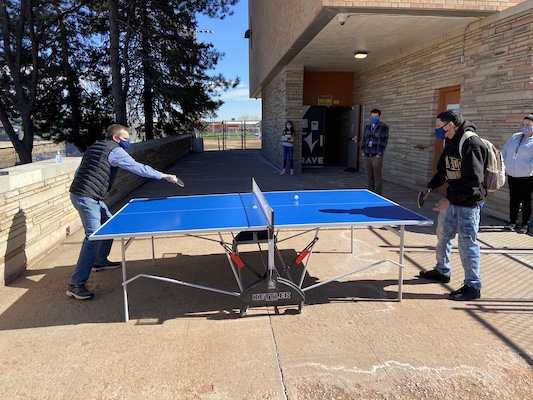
x=271 y=296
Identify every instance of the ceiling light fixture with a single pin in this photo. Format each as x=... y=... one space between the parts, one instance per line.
x=360 y=54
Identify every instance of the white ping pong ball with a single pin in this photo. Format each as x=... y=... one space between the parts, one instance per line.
x=296 y=197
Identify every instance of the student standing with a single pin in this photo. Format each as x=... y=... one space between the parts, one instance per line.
x=459 y=211
x=287 y=137
x=375 y=139
x=517 y=155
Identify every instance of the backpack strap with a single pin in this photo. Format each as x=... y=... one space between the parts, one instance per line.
x=466 y=135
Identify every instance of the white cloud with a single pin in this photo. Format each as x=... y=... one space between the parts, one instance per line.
x=237 y=103
x=240 y=93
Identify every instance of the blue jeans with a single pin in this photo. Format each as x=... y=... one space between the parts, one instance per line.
x=288 y=151
x=465 y=221
x=93 y=214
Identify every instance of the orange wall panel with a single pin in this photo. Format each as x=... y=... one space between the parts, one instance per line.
x=338 y=85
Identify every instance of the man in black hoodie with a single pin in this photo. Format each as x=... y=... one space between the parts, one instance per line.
x=459 y=211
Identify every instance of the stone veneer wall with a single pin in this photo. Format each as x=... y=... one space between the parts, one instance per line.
x=496 y=92
x=275 y=26
x=36 y=214
x=284 y=97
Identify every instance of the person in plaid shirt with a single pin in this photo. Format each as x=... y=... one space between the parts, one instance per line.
x=375 y=139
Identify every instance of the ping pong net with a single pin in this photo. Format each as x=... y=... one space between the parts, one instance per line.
x=261 y=207
x=268 y=212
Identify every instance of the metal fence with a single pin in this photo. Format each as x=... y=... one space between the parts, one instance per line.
x=230 y=142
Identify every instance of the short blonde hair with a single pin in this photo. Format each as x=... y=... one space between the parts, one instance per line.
x=116 y=129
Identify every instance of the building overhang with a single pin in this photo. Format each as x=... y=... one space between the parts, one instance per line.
x=336 y=34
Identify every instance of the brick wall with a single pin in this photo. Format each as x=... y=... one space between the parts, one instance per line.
x=496 y=81
x=36 y=214
x=284 y=99
x=275 y=26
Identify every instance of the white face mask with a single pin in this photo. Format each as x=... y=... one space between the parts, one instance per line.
x=289 y=126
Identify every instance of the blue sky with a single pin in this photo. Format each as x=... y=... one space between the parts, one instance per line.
x=228 y=37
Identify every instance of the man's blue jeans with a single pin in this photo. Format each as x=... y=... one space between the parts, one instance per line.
x=465 y=222
x=93 y=214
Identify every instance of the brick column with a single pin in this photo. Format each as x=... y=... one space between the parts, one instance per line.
x=282 y=100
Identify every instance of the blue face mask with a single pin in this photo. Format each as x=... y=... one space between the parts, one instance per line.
x=440 y=133
x=374 y=120
x=125 y=144
x=527 y=129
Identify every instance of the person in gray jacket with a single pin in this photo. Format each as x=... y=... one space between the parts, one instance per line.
x=92 y=182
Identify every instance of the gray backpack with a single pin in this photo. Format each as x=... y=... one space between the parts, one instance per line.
x=495 y=171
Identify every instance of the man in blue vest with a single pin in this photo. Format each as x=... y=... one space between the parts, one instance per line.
x=90 y=186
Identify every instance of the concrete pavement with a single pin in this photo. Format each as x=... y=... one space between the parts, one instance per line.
x=352 y=341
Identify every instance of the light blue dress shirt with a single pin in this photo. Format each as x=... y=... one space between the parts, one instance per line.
x=517 y=155
x=120 y=158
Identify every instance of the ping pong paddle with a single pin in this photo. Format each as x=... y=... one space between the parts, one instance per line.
x=179 y=182
x=420 y=200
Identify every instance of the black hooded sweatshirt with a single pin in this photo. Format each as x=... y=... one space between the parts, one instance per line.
x=464 y=175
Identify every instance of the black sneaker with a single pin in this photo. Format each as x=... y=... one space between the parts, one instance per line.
x=79 y=292
x=465 y=293
x=107 y=265
x=434 y=275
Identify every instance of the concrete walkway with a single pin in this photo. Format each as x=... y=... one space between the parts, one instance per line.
x=354 y=340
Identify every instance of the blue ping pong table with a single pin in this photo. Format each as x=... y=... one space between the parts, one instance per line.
x=258 y=217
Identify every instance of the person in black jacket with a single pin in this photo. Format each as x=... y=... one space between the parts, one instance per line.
x=459 y=211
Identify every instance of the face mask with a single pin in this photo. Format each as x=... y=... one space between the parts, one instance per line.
x=440 y=133
x=374 y=120
x=289 y=126
x=527 y=129
x=125 y=144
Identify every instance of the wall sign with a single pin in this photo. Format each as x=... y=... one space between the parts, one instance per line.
x=325 y=100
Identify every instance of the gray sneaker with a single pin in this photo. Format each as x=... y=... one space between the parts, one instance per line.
x=79 y=292
x=510 y=227
x=106 y=266
x=523 y=229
